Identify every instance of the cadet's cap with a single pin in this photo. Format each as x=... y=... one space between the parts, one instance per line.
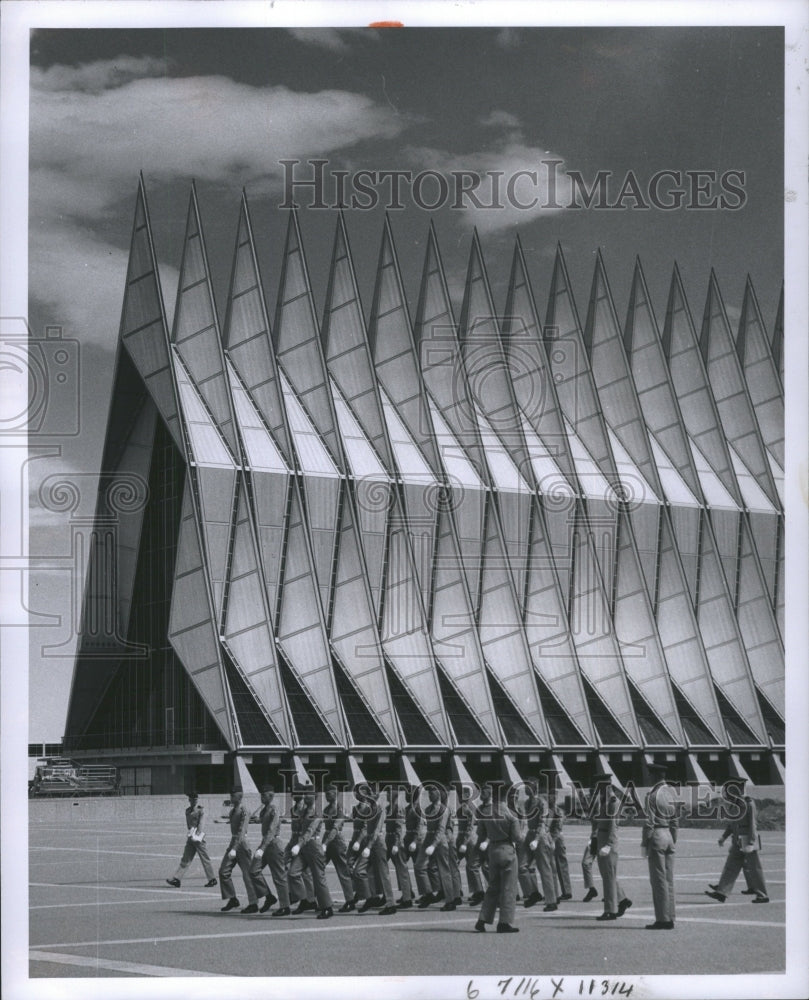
x=268 y=788
x=192 y=795
x=238 y=789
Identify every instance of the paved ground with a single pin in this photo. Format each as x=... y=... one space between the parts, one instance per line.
x=99 y=906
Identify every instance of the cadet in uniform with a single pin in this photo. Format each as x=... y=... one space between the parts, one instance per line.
x=238 y=851
x=361 y=873
x=307 y=853
x=415 y=828
x=657 y=844
x=466 y=845
x=194 y=844
x=396 y=847
x=435 y=843
x=306 y=899
x=743 y=852
x=616 y=902
x=499 y=831
x=334 y=847
x=270 y=852
x=529 y=819
x=557 y=814
x=545 y=854
x=452 y=854
x=378 y=855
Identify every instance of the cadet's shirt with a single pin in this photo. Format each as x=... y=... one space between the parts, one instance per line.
x=239 y=818
x=270 y=824
x=193 y=816
x=536 y=809
x=557 y=817
x=744 y=829
x=375 y=826
x=436 y=815
x=414 y=825
x=465 y=822
x=500 y=827
x=296 y=821
x=394 y=826
x=606 y=825
x=360 y=815
x=661 y=813
x=333 y=820
x=311 y=824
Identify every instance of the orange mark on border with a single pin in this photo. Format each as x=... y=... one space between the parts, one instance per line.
x=386 y=24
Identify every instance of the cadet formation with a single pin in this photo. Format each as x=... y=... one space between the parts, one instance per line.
x=511 y=848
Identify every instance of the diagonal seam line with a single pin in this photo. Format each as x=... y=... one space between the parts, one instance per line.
x=135 y=968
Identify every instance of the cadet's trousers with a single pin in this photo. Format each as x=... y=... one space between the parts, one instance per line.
x=336 y=853
x=562 y=869
x=423 y=884
x=587 y=860
x=379 y=867
x=546 y=863
x=274 y=857
x=501 y=892
x=441 y=859
x=736 y=860
x=243 y=859
x=454 y=870
x=473 y=877
x=399 y=859
x=193 y=847
x=312 y=858
x=308 y=885
x=660 y=850
x=608 y=866
x=526 y=868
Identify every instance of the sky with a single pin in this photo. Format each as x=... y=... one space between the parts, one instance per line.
x=223 y=107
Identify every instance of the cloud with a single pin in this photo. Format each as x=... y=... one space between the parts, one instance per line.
x=104 y=74
x=500 y=119
x=333 y=39
x=508 y=38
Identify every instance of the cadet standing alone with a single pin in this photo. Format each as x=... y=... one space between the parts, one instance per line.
x=195 y=843
x=657 y=844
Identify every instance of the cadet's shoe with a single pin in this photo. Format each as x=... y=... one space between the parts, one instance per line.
x=347 y=906
x=210 y=883
x=282 y=911
x=268 y=902
x=661 y=925
x=549 y=907
x=458 y=901
x=761 y=899
x=250 y=908
x=438 y=896
x=405 y=904
x=715 y=888
x=565 y=896
x=480 y=927
x=174 y=881
x=232 y=904
x=476 y=899
x=387 y=911
x=425 y=901
x=376 y=902
x=325 y=914
x=531 y=900
x=607 y=916
x=366 y=906
x=718 y=896
x=507 y=929
x=591 y=894
x=303 y=907
x=447 y=907
x=623 y=906
x=745 y=892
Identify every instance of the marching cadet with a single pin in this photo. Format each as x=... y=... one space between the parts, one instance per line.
x=238 y=851
x=466 y=845
x=306 y=899
x=396 y=846
x=657 y=844
x=743 y=851
x=307 y=853
x=270 y=852
x=435 y=843
x=529 y=819
x=587 y=859
x=361 y=873
x=374 y=844
x=484 y=809
x=499 y=835
x=452 y=855
x=557 y=814
x=194 y=844
x=334 y=847
x=616 y=902
x=544 y=850
x=415 y=829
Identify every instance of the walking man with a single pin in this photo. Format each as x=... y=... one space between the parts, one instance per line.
x=587 y=859
x=307 y=853
x=270 y=852
x=435 y=843
x=194 y=844
x=334 y=847
x=306 y=900
x=526 y=863
x=415 y=829
x=238 y=852
x=396 y=846
x=466 y=845
x=378 y=855
x=499 y=835
x=452 y=854
x=557 y=814
x=743 y=852
x=657 y=844
x=616 y=902
x=361 y=873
